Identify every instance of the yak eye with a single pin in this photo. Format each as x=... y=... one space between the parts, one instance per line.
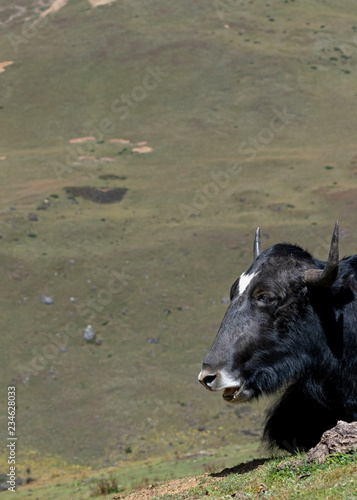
x=264 y=299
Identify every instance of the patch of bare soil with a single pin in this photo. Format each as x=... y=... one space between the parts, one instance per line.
x=97 y=3
x=79 y=140
x=173 y=487
x=120 y=141
x=178 y=486
x=4 y=64
x=340 y=439
x=96 y=194
x=56 y=5
x=142 y=149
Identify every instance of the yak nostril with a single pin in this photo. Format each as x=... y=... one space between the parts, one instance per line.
x=209 y=379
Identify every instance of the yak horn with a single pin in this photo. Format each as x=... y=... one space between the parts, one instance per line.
x=256 y=247
x=327 y=276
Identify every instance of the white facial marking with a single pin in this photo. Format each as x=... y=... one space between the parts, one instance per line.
x=227 y=381
x=244 y=281
x=221 y=380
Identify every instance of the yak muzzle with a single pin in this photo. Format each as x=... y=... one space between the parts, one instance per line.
x=234 y=389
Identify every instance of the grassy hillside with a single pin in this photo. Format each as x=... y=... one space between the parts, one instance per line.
x=250 y=113
x=271 y=479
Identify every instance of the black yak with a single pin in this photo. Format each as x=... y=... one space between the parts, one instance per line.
x=291 y=325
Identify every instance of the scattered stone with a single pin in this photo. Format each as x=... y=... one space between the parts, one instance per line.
x=340 y=439
x=44 y=206
x=89 y=334
x=167 y=311
x=32 y=217
x=71 y=261
x=64 y=349
x=225 y=300
x=46 y=299
x=154 y=340
x=72 y=299
x=4 y=485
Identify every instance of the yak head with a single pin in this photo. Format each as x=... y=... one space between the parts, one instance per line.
x=271 y=333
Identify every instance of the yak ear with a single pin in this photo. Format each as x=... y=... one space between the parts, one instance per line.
x=326 y=277
x=256 y=247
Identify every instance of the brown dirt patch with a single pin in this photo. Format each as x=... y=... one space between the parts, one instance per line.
x=97 y=3
x=142 y=149
x=173 y=487
x=96 y=194
x=120 y=141
x=179 y=486
x=56 y=5
x=79 y=140
x=106 y=158
x=4 y=64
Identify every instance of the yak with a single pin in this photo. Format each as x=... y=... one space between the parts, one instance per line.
x=291 y=327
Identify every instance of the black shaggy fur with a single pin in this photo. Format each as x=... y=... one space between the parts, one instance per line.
x=281 y=334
